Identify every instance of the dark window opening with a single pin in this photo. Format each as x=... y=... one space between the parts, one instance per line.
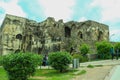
x=30 y=37
x=16 y=22
x=100 y=35
x=17 y=51
x=80 y=35
x=67 y=32
x=19 y=36
x=39 y=50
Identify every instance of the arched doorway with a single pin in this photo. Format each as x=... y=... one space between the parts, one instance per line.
x=67 y=32
x=19 y=36
x=80 y=35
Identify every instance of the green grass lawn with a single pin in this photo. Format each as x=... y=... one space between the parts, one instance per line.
x=46 y=74
x=3 y=75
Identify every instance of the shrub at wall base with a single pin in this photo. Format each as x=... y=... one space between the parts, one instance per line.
x=60 y=60
x=21 y=66
x=103 y=49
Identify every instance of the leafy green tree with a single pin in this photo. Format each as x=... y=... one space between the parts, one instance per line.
x=84 y=49
x=117 y=46
x=60 y=60
x=21 y=66
x=103 y=49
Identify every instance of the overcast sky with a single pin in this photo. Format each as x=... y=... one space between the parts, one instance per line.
x=103 y=11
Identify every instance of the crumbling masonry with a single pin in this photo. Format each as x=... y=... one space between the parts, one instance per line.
x=21 y=34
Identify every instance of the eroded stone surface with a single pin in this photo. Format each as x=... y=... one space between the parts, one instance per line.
x=21 y=34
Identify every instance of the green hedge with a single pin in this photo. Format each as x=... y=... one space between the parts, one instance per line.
x=21 y=66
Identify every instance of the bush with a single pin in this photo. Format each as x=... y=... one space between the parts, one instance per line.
x=90 y=66
x=84 y=49
x=80 y=57
x=60 y=60
x=117 y=46
x=103 y=49
x=1 y=57
x=20 y=66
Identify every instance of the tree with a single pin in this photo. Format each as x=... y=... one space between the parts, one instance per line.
x=103 y=49
x=20 y=66
x=117 y=46
x=84 y=49
x=60 y=60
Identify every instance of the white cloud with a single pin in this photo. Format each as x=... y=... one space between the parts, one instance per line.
x=11 y=7
x=83 y=19
x=110 y=9
x=59 y=9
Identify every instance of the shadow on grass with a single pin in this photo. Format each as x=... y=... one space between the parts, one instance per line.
x=51 y=72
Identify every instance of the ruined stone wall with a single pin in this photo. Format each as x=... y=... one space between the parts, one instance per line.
x=21 y=34
x=11 y=29
x=88 y=32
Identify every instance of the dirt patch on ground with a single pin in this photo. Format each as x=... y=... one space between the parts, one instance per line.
x=38 y=78
x=96 y=73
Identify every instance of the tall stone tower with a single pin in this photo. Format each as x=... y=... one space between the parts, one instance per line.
x=21 y=34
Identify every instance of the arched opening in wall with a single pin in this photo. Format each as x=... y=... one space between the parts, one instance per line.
x=30 y=37
x=39 y=50
x=67 y=32
x=80 y=35
x=100 y=35
x=19 y=36
x=16 y=22
x=17 y=51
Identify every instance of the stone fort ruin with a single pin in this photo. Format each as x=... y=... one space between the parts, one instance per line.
x=21 y=34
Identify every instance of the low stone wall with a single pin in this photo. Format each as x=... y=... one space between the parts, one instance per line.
x=92 y=56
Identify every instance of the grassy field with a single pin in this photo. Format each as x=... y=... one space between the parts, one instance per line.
x=3 y=75
x=47 y=74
